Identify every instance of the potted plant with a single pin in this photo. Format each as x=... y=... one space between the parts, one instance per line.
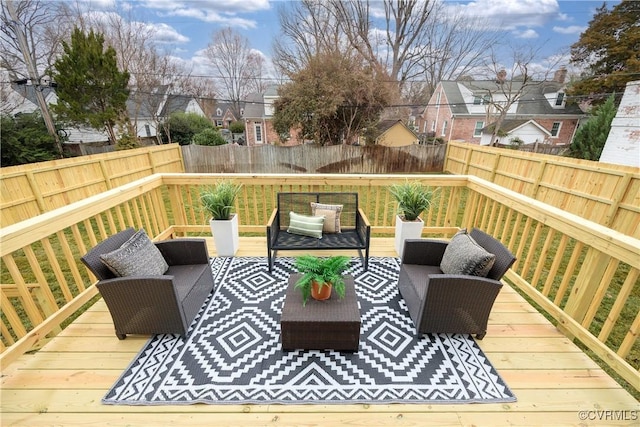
x=413 y=198
x=320 y=276
x=218 y=201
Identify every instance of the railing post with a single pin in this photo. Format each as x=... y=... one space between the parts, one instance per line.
x=586 y=284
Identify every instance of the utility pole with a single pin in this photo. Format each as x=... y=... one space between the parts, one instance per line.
x=33 y=74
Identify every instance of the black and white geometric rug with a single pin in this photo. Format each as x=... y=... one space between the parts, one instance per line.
x=233 y=354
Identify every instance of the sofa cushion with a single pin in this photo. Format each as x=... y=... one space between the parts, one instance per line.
x=464 y=256
x=305 y=225
x=138 y=256
x=331 y=215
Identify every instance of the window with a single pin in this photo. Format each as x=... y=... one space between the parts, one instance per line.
x=478 y=129
x=219 y=123
x=218 y=112
x=433 y=126
x=481 y=100
x=555 y=129
x=444 y=128
x=147 y=130
x=560 y=99
x=258 y=134
x=438 y=99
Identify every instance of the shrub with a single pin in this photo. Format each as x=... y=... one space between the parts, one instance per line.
x=209 y=137
x=236 y=127
x=182 y=127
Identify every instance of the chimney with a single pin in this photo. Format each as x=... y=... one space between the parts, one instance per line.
x=560 y=75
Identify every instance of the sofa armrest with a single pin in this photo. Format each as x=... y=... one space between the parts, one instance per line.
x=144 y=304
x=423 y=251
x=184 y=251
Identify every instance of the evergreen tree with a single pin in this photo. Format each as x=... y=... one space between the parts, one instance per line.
x=591 y=136
x=25 y=139
x=90 y=88
x=609 y=50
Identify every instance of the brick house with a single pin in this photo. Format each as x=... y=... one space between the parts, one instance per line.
x=460 y=110
x=258 y=120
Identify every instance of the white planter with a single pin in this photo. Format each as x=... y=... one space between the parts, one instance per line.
x=407 y=230
x=225 y=235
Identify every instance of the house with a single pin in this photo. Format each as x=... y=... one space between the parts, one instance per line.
x=623 y=142
x=258 y=120
x=395 y=133
x=462 y=110
x=223 y=114
x=526 y=131
x=145 y=111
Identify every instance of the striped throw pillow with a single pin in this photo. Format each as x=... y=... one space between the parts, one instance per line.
x=305 y=225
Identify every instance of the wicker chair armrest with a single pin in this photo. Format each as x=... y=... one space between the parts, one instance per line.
x=423 y=251
x=465 y=280
x=184 y=251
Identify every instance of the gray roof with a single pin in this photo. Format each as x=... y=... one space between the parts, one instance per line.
x=254 y=106
x=532 y=102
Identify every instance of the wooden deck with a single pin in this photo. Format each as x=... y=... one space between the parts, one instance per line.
x=553 y=380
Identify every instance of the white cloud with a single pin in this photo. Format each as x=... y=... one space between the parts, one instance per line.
x=526 y=34
x=224 y=12
x=510 y=14
x=572 y=29
x=163 y=33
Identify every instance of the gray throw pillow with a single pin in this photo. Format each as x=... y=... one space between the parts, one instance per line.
x=138 y=256
x=464 y=255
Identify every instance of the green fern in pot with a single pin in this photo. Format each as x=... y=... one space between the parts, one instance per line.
x=320 y=273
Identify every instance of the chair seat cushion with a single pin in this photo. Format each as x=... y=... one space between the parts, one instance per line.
x=464 y=255
x=417 y=274
x=138 y=256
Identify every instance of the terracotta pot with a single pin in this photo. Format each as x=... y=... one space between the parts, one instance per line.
x=320 y=293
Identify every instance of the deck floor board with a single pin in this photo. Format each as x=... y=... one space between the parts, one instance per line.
x=63 y=382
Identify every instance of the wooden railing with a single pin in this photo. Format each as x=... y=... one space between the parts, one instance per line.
x=601 y=192
x=33 y=189
x=582 y=274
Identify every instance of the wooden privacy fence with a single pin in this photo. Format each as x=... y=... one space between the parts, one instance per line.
x=581 y=273
x=604 y=193
x=311 y=158
x=30 y=190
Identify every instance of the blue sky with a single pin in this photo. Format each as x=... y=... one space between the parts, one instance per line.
x=185 y=27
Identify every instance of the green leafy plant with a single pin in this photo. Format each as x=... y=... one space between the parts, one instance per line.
x=324 y=271
x=413 y=198
x=218 y=200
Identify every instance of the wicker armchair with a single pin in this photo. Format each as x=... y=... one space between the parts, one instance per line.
x=450 y=303
x=155 y=304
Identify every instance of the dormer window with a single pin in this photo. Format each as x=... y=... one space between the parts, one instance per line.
x=218 y=112
x=481 y=99
x=560 y=99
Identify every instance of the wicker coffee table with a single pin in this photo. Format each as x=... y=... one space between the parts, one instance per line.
x=333 y=324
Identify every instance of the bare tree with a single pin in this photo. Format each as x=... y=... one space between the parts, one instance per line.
x=29 y=48
x=235 y=63
x=404 y=43
x=455 y=44
x=308 y=28
x=510 y=85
